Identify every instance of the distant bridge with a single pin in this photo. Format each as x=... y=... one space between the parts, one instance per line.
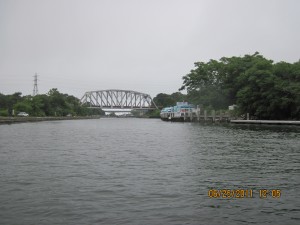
x=118 y=99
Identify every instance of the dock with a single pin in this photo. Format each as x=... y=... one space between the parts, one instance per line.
x=197 y=116
x=219 y=116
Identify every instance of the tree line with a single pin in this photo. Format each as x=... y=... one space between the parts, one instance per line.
x=258 y=86
x=53 y=103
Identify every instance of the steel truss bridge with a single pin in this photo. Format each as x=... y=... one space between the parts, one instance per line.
x=118 y=99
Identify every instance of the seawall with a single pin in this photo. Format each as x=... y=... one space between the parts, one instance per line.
x=277 y=122
x=10 y=120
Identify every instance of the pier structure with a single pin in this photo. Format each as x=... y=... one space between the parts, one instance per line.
x=197 y=115
x=204 y=116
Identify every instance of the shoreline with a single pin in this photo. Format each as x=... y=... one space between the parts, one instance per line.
x=12 y=120
x=275 y=122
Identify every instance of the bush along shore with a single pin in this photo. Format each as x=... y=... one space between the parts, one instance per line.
x=51 y=105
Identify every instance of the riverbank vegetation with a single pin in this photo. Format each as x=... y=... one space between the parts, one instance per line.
x=53 y=103
x=256 y=85
x=163 y=100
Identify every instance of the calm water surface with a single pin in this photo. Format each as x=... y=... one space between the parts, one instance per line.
x=143 y=171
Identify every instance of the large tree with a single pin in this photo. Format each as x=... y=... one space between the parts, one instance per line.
x=164 y=100
x=257 y=85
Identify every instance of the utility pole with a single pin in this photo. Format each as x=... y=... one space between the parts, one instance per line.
x=35 y=86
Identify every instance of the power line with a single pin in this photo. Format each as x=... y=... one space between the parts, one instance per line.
x=35 y=86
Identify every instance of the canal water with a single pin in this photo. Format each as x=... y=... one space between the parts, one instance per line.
x=146 y=171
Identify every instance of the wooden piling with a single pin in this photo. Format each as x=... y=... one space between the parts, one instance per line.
x=213 y=115
x=198 y=113
x=191 y=115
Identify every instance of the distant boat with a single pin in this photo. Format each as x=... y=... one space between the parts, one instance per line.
x=180 y=112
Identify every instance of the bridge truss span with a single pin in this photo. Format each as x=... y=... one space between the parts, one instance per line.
x=117 y=99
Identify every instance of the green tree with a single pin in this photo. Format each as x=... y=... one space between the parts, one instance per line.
x=43 y=105
x=204 y=85
x=13 y=99
x=57 y=103
x=256 y=95
x=259 y=87
x=53 y=103
x=3 y=101
x=23 y=106
x=37 y=105
x=163 y=100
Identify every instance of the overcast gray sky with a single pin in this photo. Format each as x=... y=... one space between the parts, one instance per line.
x=141 y=45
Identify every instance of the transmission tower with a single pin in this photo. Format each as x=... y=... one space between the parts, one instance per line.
x=35 y=86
